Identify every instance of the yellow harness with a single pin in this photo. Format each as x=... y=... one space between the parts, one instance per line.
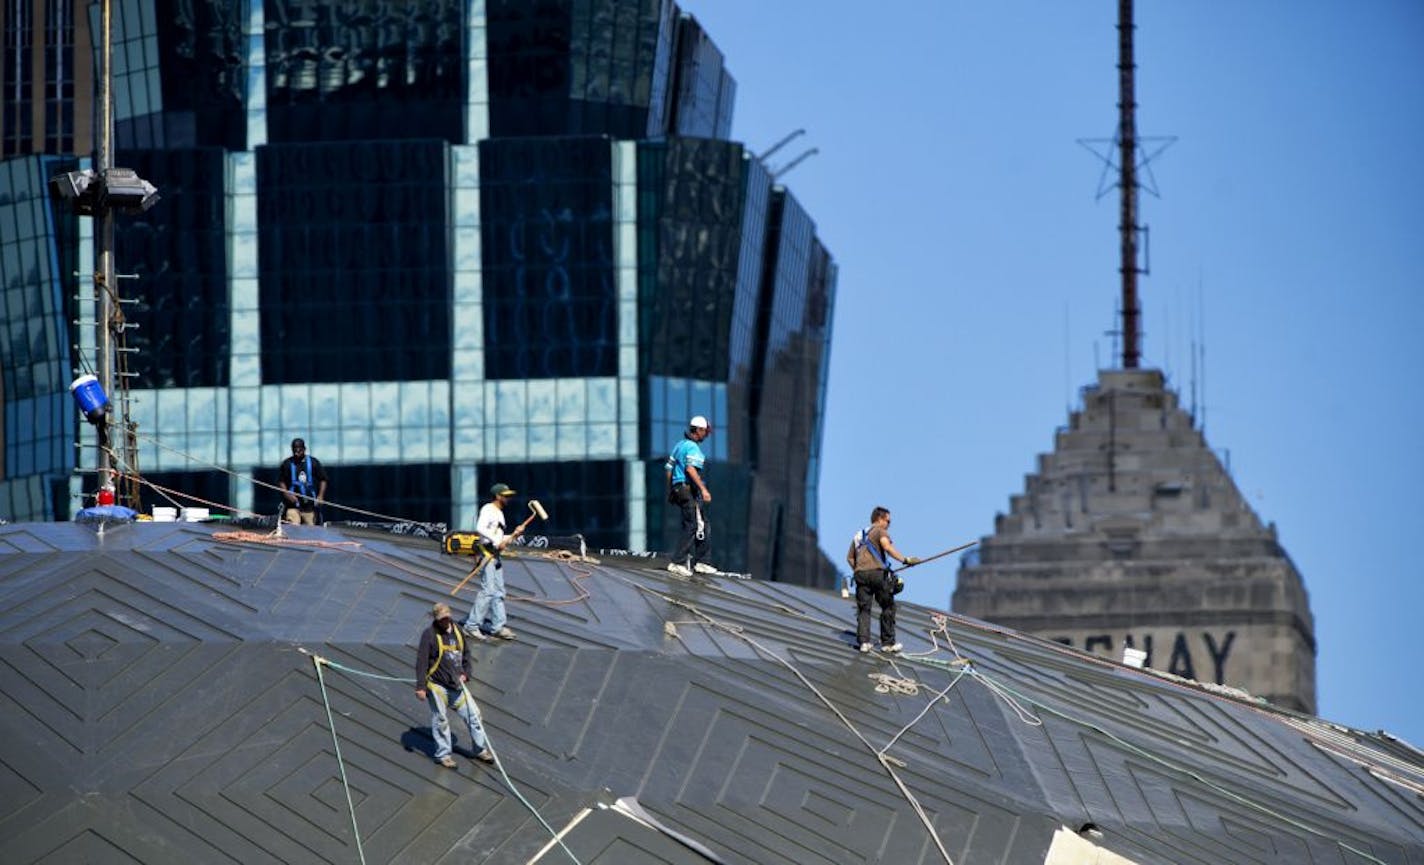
x=441 y=647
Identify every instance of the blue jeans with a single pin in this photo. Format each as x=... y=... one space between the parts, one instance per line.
x=437 y=698
x=489 y=600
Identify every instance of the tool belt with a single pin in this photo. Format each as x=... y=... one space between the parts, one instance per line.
x=682 y=493
x=889 y=578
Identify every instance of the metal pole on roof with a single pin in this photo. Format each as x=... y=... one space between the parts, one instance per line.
x=105 y=284
x=780 y=144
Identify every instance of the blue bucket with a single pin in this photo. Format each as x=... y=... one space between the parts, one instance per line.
x=90 y=396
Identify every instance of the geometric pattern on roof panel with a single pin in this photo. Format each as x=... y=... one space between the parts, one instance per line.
x=161 y=704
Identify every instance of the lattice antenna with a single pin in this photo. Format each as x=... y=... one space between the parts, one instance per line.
x=1125 y=153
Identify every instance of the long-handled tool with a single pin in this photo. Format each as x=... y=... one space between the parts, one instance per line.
x=537 y=510
x=484 y=560
x=937 y=556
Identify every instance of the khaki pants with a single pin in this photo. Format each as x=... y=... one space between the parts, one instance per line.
x=296 y=516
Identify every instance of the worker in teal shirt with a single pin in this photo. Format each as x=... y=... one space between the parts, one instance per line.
x=688 y=491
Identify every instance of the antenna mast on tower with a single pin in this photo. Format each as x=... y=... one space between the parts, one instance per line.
x=1127 y=160
x=1133 y=174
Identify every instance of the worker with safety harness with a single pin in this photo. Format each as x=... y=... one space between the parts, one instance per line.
x=303 y=482
x=687 y=491
x=871 y=551
x=443 y=665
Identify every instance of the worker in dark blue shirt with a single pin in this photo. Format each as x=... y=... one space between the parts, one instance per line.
x=303 y=482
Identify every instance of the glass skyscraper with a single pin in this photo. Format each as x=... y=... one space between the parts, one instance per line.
x=447 y=242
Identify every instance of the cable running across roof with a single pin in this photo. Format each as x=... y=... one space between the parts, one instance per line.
x=320 y=662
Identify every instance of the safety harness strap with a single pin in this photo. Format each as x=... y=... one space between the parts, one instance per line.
x=307 y=487
x=440 y=649
x=863 y=540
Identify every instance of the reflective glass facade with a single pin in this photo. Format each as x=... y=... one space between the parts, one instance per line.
x=37 y=416
x=201 y=78
x=550 y=308
x=422 y=489
x=587 y=497
x=629 y=69
x=788 y=394
x=448 y=244
x=177 y=254
x=702 y=89
x=364 y=69
x=354 y=261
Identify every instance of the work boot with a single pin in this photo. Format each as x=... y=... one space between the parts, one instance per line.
x=892 y=648
x=704 y=568
x=503 y=634
x=865 y=648
x=474 y=633
x=485 y=756
x=845 y=593
x=680 y=570
x=447 y=761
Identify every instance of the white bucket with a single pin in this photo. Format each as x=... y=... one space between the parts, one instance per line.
x=164 y=515
x=194 y=515
x=1133 y=657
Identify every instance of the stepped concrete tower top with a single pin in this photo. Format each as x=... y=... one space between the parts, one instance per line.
x=1131 y=533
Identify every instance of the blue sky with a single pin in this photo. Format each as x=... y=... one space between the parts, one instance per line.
x=978 y=273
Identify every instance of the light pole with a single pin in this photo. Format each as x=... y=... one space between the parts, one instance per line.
x=100 y=192
x=104 y=281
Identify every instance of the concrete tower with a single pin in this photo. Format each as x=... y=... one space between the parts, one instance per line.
x=1132 y=534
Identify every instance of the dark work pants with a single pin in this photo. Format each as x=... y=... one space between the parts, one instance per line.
x=875 y=586
x=694 y=522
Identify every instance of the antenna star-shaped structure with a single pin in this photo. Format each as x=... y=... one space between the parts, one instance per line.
x=1147 y=149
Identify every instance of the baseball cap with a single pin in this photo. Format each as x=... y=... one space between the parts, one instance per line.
x=501 y=490
x=698 y=422
x=440 y=611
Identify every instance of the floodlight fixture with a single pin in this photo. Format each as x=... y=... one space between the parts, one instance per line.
x=78 y=188
x=118 y=189
x=123 y=190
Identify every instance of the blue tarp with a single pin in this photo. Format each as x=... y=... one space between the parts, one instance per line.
x=107 y=512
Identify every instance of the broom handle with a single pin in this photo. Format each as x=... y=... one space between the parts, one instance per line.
x=475 y=570
x=938 y=555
